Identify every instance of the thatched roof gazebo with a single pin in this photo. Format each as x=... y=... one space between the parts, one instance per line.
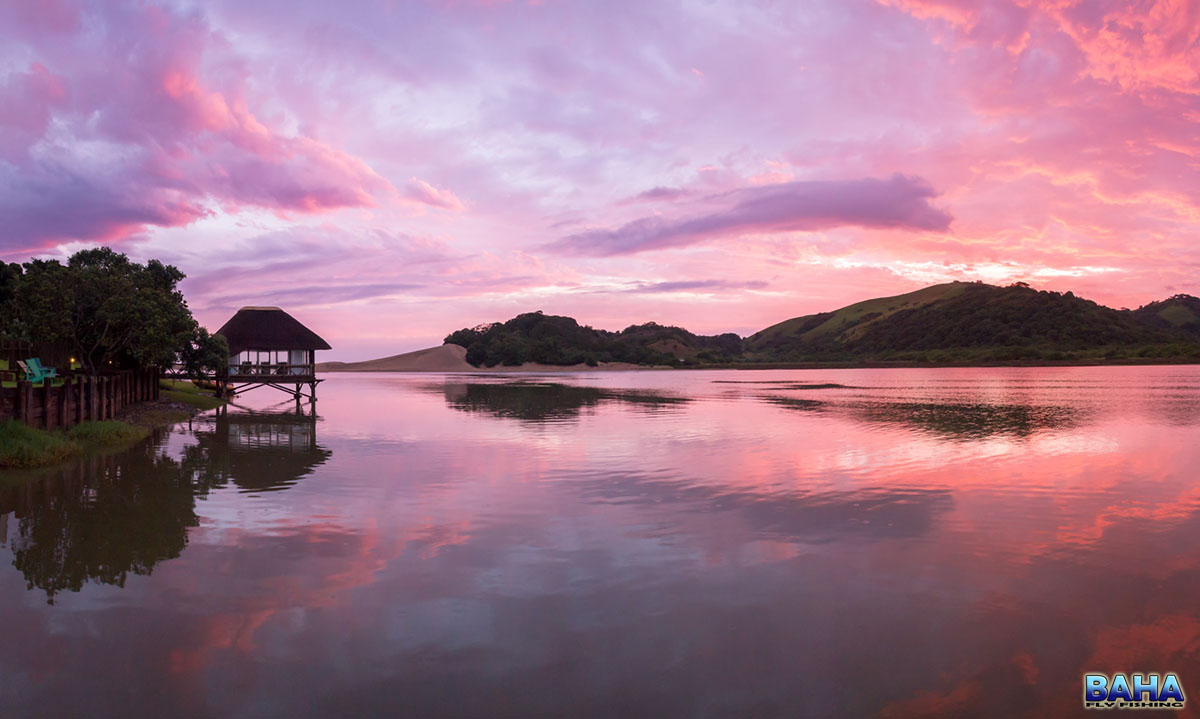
x=269 y=348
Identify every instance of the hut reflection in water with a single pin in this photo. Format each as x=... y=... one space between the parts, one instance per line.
x=257 y=451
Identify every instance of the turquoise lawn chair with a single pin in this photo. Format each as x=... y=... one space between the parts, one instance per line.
x=36 y=365
x=30 y=375
x=34 y=372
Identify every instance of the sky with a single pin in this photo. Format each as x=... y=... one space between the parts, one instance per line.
x=389 y=172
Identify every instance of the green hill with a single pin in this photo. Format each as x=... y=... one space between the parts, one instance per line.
x=1181 y=313
x=956 y=322
x=975 y=322
x=826 y=328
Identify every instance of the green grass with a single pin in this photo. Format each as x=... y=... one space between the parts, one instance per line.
x=106 y=433
x=195 y=400
x=22 y=446
x=189 y=394
x=1177 y=315
x=851 y=316
x=25 y=446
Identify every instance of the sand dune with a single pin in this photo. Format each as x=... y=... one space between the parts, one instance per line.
x=447 y=358
x=453 y=358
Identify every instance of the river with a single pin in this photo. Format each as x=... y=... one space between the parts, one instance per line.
x=841 y=543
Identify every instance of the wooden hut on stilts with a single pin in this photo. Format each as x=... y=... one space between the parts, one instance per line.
x=270 y=348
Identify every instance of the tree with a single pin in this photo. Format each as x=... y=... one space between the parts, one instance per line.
x=108 y=310
x=205 y=353
x=10 y=279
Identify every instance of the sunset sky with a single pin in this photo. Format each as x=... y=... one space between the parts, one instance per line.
x=391 y=171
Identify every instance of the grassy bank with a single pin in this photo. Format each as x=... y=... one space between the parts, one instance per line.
x=187 y=393
x=22 y=446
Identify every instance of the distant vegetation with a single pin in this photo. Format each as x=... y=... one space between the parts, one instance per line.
x=555 y=340
x=951 y=323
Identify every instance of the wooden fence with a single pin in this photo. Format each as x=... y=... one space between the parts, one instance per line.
x=78 y=399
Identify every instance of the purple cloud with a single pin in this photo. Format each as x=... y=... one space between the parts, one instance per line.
x=658 y=194
x=900 y=201
x=695 y=286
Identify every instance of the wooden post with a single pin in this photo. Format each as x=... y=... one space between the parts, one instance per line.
x=92 y=414
x=46 y=414
x=65 y=414
x=24 y=400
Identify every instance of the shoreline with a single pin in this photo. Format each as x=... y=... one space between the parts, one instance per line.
x=1128 y=362
x=451 y=358
x=28 y=449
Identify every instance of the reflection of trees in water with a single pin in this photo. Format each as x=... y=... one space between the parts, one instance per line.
x=967 y=421
x=957 y=420
x=100 y=519
x=544 y=401
x=104 y=517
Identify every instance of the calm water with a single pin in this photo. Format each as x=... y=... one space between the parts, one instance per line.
x=848 y=543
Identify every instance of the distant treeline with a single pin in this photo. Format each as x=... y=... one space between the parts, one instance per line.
x=556 y=340
x=957 y=322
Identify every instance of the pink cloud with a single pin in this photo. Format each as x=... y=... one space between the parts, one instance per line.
x=425 y=193
x=897 y=202
x=556 y=145
x=169 y=132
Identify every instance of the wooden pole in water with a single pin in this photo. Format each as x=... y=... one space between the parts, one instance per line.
x=24 y=399
x=46 y=403
x=64 y=403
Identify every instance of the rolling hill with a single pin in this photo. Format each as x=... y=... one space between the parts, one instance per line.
x=951 y=323
x=976 y=322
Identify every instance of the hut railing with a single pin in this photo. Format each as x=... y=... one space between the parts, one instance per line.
x=243 y=370
x=271 y=369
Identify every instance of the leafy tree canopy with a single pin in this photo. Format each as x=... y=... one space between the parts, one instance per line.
x=108 y=309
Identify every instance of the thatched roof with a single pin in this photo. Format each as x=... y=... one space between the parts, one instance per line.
x=268 y=328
